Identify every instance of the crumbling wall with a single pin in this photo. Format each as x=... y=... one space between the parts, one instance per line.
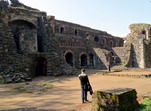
x=12 y=64
x=120 y=99
x=137 y=59
x=147 y=53
x=18 y=66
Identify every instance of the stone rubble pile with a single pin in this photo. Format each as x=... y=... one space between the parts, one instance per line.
x=14 y=77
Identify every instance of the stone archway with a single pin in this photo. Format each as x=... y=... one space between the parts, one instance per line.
x=69 y=58
x=83 y=60
x=91 y=59
x=40 y=65
x=25 y=35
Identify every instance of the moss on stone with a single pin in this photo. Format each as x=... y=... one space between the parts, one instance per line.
x=113 y=97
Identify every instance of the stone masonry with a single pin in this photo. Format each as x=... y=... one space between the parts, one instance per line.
x=115 y=100
x=34 y=44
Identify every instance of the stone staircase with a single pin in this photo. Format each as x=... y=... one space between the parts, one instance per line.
x=102 y=55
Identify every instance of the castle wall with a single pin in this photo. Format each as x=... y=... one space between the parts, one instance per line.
x=83 y=40
x=137 y=56
x=40 y=44
x=147 y=52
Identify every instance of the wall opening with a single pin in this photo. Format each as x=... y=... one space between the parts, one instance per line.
x=61 y=29
x=16 y=39
x=144 y=32
x=25 y=35
x=40 y=67
x=96 y=39
x=91 y=59
x=83 y=60
x=112 y=59
x=69 y=58
x=111 y=43
x=76 y=32
x=104 y=41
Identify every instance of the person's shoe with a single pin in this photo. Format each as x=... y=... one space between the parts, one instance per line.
x=83 y=102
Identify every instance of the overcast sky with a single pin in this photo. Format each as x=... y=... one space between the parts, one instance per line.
x=113 y=16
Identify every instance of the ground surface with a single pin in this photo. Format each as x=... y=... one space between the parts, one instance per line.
x=65 y=96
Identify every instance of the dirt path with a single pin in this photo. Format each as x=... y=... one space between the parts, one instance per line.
x=65 y=96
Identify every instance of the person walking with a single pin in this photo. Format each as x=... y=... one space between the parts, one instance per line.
x=84 y=81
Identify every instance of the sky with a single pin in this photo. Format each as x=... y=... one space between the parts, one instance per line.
x=112 y=16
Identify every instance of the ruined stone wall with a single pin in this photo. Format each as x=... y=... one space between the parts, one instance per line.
x=140 y=30
x=36 y=40
x=12 y=63
x=20 y=49
x=82 y=40
x=98 y=38
x=147 y=53
x=137 y=58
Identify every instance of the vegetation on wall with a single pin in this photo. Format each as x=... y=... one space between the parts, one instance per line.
x=137 y=27
x=28 y=35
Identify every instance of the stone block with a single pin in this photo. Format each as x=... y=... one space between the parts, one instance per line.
x=122 y=99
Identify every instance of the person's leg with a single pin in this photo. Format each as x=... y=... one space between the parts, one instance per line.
x=85 y=95
x=82 y=94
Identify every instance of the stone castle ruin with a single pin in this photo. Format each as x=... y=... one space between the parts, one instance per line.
x=33 y=44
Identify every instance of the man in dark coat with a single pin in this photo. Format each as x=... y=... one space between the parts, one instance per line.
x=84 y=85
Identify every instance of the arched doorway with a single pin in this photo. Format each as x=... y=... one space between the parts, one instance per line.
x=111 y=44
x=91 y=59
x=83 y=60
x=69 y=58
x=40 y=67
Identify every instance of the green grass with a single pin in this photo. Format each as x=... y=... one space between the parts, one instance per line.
x=1 y=81
x=145 y=106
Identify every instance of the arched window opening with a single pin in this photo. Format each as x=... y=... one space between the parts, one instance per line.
x=16 y=38
x=76 y=32
x=69 y=58
x=144 y=32
x=96 y=39
x=83 y=60
x=87 y=34
x=104 y=41
x=111 y=43
x=61 y=29
x=91 y=60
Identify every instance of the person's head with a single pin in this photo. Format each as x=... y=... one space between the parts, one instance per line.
x=83 y=70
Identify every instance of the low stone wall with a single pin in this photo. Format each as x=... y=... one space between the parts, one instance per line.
x=114 y=100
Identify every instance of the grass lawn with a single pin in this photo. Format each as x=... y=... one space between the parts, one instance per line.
x=145 y=106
